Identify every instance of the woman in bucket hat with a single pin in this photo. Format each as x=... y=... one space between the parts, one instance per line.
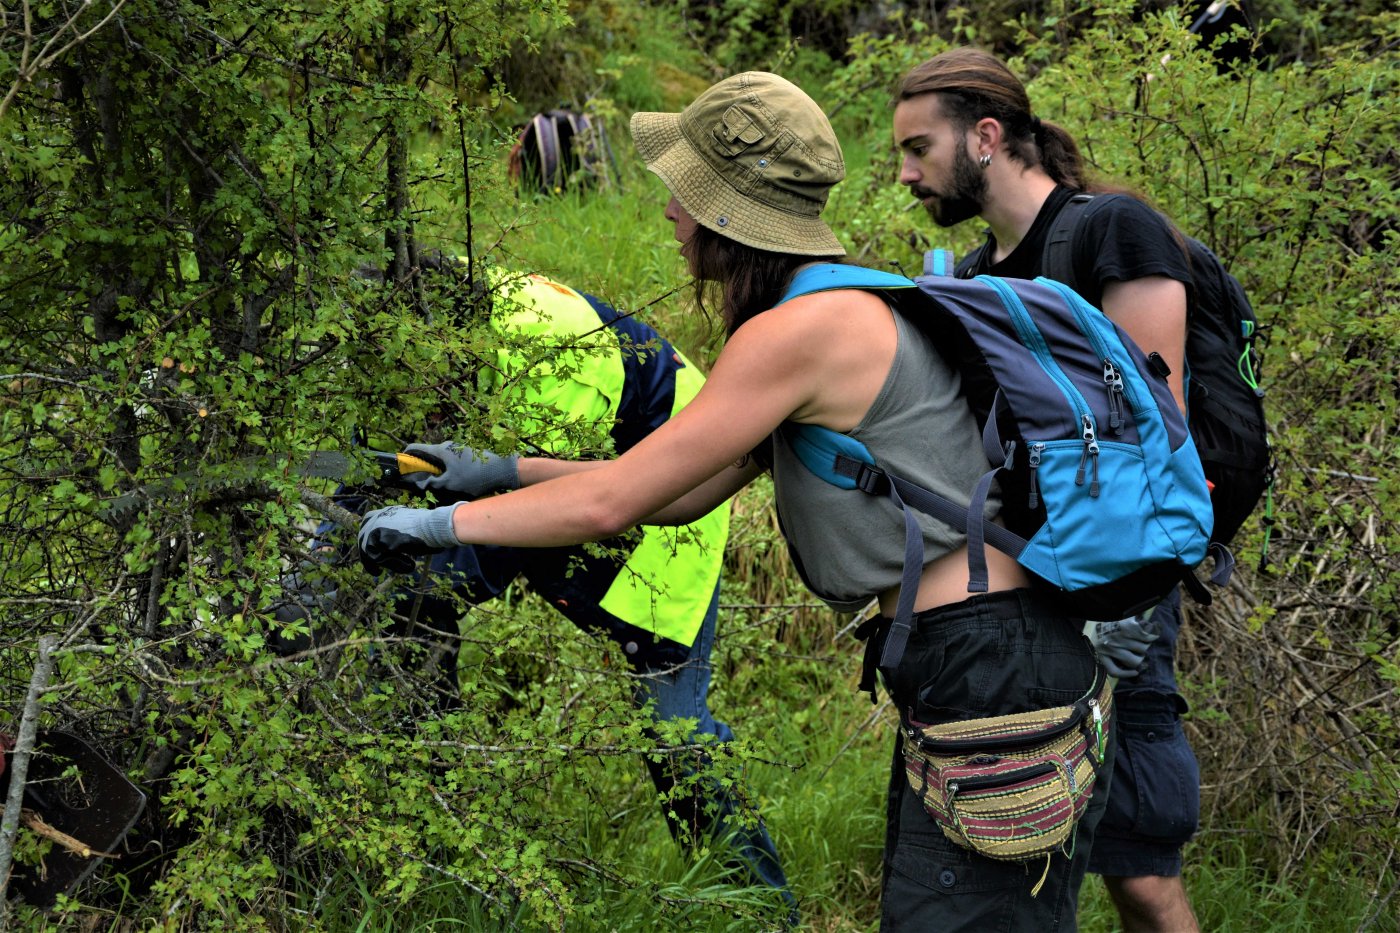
x=749 y=165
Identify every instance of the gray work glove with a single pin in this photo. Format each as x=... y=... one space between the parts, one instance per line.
x=465 y=472
x=308 y=597
x=1122 y=645
x=391 y=538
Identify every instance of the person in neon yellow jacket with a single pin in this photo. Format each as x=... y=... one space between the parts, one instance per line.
x=585 y=364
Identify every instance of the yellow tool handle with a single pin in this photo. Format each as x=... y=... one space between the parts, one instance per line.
x=411 y=464
x=392 y=467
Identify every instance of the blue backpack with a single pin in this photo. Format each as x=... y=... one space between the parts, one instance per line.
x=1223 y=394
x=1103 y=494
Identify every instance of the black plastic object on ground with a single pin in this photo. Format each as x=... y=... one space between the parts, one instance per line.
x=78 y=792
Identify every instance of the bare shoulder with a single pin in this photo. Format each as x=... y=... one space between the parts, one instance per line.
x=822 y=357
x=835 y=303
x=817 y=320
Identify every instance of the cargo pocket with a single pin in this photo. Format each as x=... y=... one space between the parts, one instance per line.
x=935 y=884
x=931 y=877
x=1160 y=797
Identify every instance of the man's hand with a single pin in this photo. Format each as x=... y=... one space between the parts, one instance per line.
x=391 y=538
x=465 y=472
x=1122 y=645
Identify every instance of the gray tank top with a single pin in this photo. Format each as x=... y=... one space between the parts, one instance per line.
x=849 y=546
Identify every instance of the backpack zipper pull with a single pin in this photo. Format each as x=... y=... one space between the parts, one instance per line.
x=1090 y=447
x=1094 y=461
x=1035 y=452
x=1113 y=379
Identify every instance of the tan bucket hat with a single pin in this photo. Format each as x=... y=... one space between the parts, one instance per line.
x=752 y=159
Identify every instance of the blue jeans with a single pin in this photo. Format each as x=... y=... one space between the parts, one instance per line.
x=706 y=808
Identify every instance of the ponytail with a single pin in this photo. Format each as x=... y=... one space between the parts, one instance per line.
x=1059 y=156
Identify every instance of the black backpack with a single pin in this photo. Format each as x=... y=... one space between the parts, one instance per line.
x=557 y=148
x=1224 y=400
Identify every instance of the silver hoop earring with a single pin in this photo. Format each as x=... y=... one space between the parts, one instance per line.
x=986 y=160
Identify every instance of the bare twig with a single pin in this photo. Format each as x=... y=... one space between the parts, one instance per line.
x=48 y=54
x=869 y=721
x=19 y=766
x=34 y=822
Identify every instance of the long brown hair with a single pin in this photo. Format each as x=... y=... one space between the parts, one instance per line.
x=742 y=280
x=972 y=84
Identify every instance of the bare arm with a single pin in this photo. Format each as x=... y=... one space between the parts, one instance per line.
x=690 y=507
x=820 y=359
x=1152 y=310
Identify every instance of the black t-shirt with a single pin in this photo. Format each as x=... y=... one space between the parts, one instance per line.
x=1118 y=239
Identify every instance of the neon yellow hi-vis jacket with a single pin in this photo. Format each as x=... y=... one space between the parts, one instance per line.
x=579 y=363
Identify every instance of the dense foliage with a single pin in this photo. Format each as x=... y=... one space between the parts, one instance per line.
x=215 y=220
x=191 y=196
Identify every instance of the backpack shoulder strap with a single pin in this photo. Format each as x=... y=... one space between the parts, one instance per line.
x=829 y=454
x=846 y=463
x=829 y=276
x=1057 y=259
x=939 y=262
x=578 y=122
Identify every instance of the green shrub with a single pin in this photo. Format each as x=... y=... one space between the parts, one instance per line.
x=188 y=201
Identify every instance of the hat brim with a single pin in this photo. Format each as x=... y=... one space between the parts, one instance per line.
x=714 y=204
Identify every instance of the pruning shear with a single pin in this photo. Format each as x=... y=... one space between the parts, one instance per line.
x=388 y=469
x=332 y=464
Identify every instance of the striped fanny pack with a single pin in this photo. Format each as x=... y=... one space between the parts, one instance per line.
x=1011 y=787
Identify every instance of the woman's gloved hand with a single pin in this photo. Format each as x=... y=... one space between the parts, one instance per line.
x=465 y=471
x=391 y=538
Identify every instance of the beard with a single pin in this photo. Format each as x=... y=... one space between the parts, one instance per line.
x=967 y=192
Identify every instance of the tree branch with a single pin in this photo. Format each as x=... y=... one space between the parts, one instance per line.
x=19 y=766
x=48 y=54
